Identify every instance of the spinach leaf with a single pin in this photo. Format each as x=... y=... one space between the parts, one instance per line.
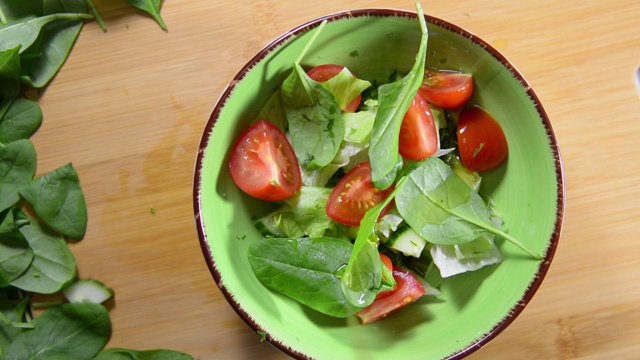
x=68 y=331
x=57 y=198
x=42 y=60
x=443 y=209
x=53 y=265
x=362 y=277
x=126 y=354
x=21 y=120
x=394 y=100
x=315 y=119
x=152 y=7
x=10 y=63
x=305 y=269
x=17 y=166
x=24 y=34
x=9 y=90
x=12 y=310
x=15 y=256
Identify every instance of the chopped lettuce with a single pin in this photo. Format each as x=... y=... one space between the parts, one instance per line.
x=446 y=257
x=345 y=87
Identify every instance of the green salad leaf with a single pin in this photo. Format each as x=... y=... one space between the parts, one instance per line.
x=126 y=354
x=394 y=100
x=305 y=269
x=21 y=120
x=152 y=7
x=17 y=166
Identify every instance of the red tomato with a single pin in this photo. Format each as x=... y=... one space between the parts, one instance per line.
x=407 y=290
x=418 y=132
x=263 y=163
x=481 y=142
x=354 y=195
x=323 y=73
x=446 y=89
x=389 y=265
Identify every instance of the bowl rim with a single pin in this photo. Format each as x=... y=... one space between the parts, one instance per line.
x=383 y=12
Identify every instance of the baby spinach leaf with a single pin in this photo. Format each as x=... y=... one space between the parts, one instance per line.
x=44 y=58
x=17 y=166
x=53 y=265
x=10 y=63
x=304 y=269
x=25 y=33
x=394 y=100
x=9 y=90
x=126 y=354
x=21 y=120
x=152 y=7
x=13 y=309
x=443 y=209
x=362 y=277
x=68 y=331
x=58 y=200
x=15 y=256
x=315 y=119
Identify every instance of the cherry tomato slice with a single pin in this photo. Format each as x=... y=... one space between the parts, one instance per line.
x=418 y=132
x=446 y=89
x=325 y=72
x=354 y=195
x=481 y=141
x=408 y=289
x=263 y=163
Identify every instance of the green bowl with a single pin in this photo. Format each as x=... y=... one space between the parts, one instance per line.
x=529 y=191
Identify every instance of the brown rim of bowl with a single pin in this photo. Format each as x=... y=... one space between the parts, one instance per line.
x=548 y=256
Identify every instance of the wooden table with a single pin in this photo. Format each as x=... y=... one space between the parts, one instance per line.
x=129 y=106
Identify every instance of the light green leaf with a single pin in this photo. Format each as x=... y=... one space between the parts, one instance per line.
x=24 y=34
x=345 y=87
x=21 y=120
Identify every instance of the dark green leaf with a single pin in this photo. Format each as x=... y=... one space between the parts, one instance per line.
x=15 y=256
x=152 y=7
x=315 y=119
x=58 y=199
x=394 y=100
x=21 y=120
x=304 y=269
x=13 y=309
x=68 y=331
x=48 y=53
x=24 y=34
x=9 y=90
x=53 y=266
x=126 y=354
x=10 y=64
x=17 y=166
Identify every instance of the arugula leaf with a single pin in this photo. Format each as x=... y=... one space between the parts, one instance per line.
x=126 y=354
x=305 y=269
x=152 y=7
x=394 y=100
x=24 y=34
x=17 y=166
x=58 y=200
x=68 y=331
x=21 y=120
x=53 y=264
x=443 y=209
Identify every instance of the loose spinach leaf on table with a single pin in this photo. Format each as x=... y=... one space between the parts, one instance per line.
x=20 y=121
x=304 y=269
x=58 y=199
x=17 y=167
x=157 y=354
x=152 y=7
x=394 y=100
x=443 y=209
x=67 y=331
x=15 y=254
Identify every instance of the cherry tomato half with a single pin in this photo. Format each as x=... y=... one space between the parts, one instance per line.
x=263 y=163
x=481 y=141
x=354 y=195
x=418 y=132
x=446 y=89
x=325 y=72
x=408 y=289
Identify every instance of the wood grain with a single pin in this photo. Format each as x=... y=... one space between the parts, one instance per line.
x=129 y=106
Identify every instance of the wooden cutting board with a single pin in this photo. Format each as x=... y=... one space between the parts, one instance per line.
x=129 y=107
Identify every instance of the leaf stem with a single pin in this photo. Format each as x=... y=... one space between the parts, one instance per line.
x=6 y=321
x=96 y=15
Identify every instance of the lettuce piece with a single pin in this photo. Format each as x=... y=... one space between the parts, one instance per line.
x=449 y=261
x=345 y=87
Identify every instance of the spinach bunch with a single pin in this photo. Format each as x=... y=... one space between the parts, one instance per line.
x=39 y=215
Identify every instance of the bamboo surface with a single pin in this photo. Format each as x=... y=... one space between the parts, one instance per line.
x=129 y=106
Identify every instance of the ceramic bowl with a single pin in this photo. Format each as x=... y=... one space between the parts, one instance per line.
x=529 y=191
